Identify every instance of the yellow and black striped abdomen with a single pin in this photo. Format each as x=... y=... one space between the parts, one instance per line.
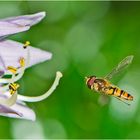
x=115 y=91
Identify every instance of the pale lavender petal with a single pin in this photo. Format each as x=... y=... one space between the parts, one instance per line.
x=12 y=51
x=13 y=25
x=7 y=110
x=7 y=28
x=27 y=113
x=26 y=20
x=17 y=111
x=1 y=73
x=2 y=67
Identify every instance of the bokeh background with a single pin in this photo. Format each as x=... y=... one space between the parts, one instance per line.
x=86 y=38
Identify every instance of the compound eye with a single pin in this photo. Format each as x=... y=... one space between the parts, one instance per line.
x=90 y=81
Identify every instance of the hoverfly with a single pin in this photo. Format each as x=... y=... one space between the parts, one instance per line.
x=105 y=87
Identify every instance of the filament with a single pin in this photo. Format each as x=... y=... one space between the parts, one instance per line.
x=46 y=94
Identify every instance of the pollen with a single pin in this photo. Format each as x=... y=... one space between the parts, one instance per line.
x=13 y=88
x=22 y=62
x=26 y=44
x=12 y=69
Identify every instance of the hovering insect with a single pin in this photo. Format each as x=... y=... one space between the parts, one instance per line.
x=103 y=86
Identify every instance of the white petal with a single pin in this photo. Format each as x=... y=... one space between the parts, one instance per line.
x=12 y=51
x=26 y=19
x=7 y=28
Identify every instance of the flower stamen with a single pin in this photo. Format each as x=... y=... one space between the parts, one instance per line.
x=13 y=87
x=27 y=43
x=12 y=69
x=46 y=94
x=22 y=62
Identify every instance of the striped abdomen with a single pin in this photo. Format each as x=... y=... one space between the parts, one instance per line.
x=115 y=91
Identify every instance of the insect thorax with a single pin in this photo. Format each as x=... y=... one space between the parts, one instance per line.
x=100 y=85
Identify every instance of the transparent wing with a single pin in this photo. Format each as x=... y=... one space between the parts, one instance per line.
x=121 y=66
x=122 y=100
x=103 y=99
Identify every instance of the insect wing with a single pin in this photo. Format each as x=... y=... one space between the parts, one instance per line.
x=121 y=66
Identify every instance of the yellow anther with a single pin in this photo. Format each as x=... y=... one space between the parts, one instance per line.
x=22 y=62
x=12 y=69
x=13 y=87
x=27 y=43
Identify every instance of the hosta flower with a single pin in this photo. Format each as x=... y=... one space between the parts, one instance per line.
x=15 y=57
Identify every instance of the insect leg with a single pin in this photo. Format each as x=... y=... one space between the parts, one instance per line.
x=122 y=100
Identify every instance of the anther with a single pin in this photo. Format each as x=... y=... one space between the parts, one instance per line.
x=12 y=69
x=13 y=87
x=27 y=43
x=22 y=62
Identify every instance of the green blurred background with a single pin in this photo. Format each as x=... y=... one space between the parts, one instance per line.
x=86 y=38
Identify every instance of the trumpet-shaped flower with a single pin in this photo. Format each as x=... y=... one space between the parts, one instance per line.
x=15 y=57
